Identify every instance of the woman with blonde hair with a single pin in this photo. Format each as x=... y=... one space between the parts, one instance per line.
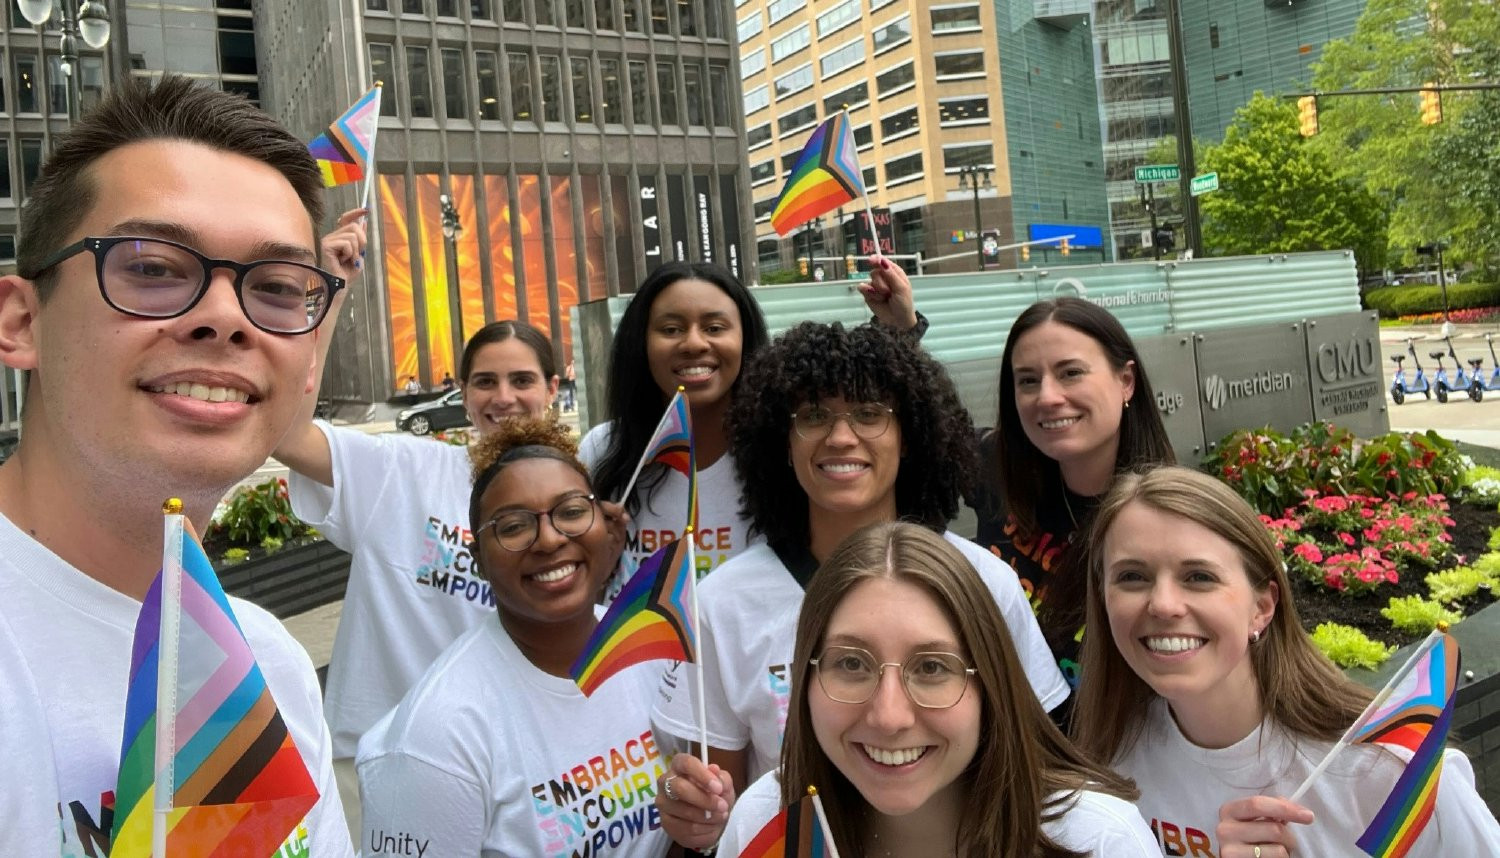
x=1206 y=690
x=949 y=753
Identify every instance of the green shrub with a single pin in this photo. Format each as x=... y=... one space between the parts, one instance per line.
x=1482 y=485
x=1460 y=582
x=1411 y=299
x=1489 y=563
x=1348 y=647
x=1418 y=616
x=235 y=555
x=257 y=513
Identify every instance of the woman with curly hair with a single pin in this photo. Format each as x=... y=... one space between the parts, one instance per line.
x=946 y=754
x=1075 y=408
x=692 y=325
x=1200 y=683
x=495 y=751
x=834 y=428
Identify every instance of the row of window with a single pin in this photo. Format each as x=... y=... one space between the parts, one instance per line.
x=950 y=66
x=540 y=87
x=29 y=96
x=953 y=112
x=661 y=17
x=897 y=170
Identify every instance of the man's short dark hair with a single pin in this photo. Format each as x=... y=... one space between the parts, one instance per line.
x=135 y=111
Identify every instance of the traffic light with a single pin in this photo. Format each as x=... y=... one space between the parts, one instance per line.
x=802 y=265
x=1432 y=106
x=1025 y=253
x=1307 y=115
x=1063 y=246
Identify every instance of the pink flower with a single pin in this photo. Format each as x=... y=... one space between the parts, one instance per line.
x=1309 y=552
x=1346 y=539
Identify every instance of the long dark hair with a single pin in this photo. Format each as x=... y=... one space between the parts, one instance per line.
x=1021 y=760
x=634 y=402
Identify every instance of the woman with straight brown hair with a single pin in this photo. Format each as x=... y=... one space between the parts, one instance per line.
x=949 y=753
x=1199 y=683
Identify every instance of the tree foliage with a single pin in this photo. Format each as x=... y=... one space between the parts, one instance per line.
x=1280 y=195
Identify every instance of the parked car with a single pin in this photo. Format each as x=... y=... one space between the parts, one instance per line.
x=445 y=412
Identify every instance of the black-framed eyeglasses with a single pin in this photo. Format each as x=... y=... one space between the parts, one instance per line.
x=517 y=529
x=933 y=680
x=153 y=278
x=869 y=420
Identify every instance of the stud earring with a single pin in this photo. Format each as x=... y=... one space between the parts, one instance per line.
x=1255 y=636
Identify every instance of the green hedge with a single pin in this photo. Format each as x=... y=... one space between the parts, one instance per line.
x=1409 y=300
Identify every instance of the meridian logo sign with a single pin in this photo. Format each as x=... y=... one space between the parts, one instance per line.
x=1217 y=391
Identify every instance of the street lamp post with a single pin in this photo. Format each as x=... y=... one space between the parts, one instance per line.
x=813 y=226
x=452 y=229
x=89 y=21
x=969 y=177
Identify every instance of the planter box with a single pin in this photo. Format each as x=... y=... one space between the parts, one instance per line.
x=290 y=581
x=1476 y=715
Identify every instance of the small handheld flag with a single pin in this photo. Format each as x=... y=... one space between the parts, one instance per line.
x=207 y=763
x=800 y=830
x=1414 y=711
x=345 y=150
x=826 y=176
x=671 y=445
x=651 y=618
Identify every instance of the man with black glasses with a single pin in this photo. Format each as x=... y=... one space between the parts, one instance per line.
x=168 y=295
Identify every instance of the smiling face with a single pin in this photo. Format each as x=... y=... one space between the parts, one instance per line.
x=506 y=381
x=556 y=578
x=845 y=475
x=694 y=339
x=899 y=756
x=1181 y=611
x=195 y=402
x=1069 y=398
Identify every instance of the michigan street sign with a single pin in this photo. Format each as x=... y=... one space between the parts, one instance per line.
x=1157 y=173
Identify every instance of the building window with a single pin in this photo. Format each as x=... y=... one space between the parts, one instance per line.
x=411 y=7
x=850 y=97
x=419 y=81
x=378 y=5
x=57 y=86
x=838 y=17
x=794 y=81
x=613 y=106
x=956 y=155
x=1213 y=35
x=797 y=119
x=718 y=87
x=868 y=175
x=758 y=136
x=765 y=171
x=26 y=84
x=480 y=10
x=962 y=111
x=788 y=161
x=632 y=19
x=864 y=135
x=946 y=19
x=753 y=63
x=757 y=99
x=583 y=90
x=962 y=64
x=842 y=57
x=779 y=9
x=487 y=69
x=447 y=8
x=661 y=23
x=5 y=192
x=551 y=87
x=383 y=70
x=666 y=88
x=31 y=161
x=522 y=107
x=897 y=32
x=8 y=248
x=748 y=27
x=692 y=88
x=904 y=168
x=763 y=209
x=573 y=13
x=640 y=94
x=237 y=45
x=880 y=4
x=604 y=15
x=897 y=125
x=515 y=11
x=686 y=25
x=791 y=43
x=546 y=16
x=455 y=98
x=713 y=19
x=892 y=81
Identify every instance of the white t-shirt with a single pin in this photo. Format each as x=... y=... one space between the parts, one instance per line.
x=489 y=756
x=1183 y=786
x=749 y=613
x=1097 y=824
x=400 y=505
x=722 y=531
x=65 y=650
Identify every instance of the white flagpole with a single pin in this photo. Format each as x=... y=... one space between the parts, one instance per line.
x=364 y=198
x=691 y=536
x=864 y=194
x=645 y=455
x=1379 y=701
x=166 y=674
x=833 y=848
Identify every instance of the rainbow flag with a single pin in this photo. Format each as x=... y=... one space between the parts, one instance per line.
x=1415 y=716
x=651 y=618
x=795 y=832
x=233 y=782
x=672 y=445
x=345 y=150
x=825 y=177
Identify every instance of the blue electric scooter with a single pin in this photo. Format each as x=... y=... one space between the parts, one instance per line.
x=1494 y=380
x=1400 y=386
x=1462 y=381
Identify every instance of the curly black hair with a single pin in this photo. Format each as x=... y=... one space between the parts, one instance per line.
x=516 y=439
x=867 y=363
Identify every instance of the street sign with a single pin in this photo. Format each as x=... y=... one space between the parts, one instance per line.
x=1157 y=173
x=1203 y=184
